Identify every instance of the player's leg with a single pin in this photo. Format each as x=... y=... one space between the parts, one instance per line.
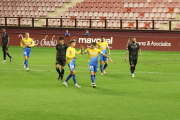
x=58 y=70
x=62 y=68
x=132 y=70
x=93 y=73
x=131 y=62
x=26 y=53
x=101 y=63
x=4 y=54
x=26 y=62
x=73 y=73
x=92 y=79
x=71 y=66
x=91 y=69
x=27 y=59
x=8 y=54
x=135 y=62
x=106 y=63
x=62 y=72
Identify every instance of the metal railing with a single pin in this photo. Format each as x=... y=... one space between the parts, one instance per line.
x=104 y=21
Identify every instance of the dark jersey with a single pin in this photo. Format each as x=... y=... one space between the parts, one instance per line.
x=5 y=38
x=133 y=50
x=61 y=50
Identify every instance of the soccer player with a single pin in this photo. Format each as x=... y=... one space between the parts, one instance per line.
x=61 y=57
x=93 y=53
x=133 y=49
x=5 y=45
x=103 y=45
x=26 y=44
x=70 y=55
x=67 y=33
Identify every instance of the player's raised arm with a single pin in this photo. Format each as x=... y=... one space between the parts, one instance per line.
x=107 y=57
x=82 y=53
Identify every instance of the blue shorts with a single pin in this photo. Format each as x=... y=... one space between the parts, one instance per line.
x=102 y=58
x=93 y=67
x=27 y=51
x=71 y=66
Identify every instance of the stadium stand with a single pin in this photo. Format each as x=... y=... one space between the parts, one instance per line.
x=129 y=10
x=27 y=8
x=98 y=10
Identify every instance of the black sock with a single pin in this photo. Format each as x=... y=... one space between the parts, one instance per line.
x=62 y=72
x=58 y=70
x=4 y=56
x=9 y=55
x=132 y=70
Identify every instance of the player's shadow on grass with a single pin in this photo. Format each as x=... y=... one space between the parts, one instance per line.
x=102 y=91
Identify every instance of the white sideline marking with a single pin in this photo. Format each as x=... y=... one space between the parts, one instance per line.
x=88 y=71
x=111 y=53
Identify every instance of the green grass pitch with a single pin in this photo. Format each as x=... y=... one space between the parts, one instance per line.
x=154 y=94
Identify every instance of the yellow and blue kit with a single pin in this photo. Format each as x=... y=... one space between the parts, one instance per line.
x=102 y=46
x=25 y=43
x=93 y=58
x=70 y=53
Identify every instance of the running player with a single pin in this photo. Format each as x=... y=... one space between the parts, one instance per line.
x=70 y=55
x=26 y=44
x=93 y=53
x=133 y=49
x=61 y=57
x=5 y=45
x=103 y=45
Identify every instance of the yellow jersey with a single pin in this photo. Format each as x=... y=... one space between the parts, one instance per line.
x=102 y=45
x=25 y=42
x=70 y=53
x=93 y=54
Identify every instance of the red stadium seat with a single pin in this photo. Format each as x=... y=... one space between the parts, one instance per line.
x=141 y=15
x=171 y=10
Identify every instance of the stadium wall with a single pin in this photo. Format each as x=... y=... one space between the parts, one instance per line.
x=118 y=40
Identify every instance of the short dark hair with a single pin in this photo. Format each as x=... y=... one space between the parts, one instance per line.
x=132 y=37
x=71 y=41
x=61 y=38
x=102 y=36
x=93 y=43
x=26 y=32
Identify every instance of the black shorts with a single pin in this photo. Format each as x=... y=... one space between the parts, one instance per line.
x=4 y=47
x=133 y=61
x=61 y=61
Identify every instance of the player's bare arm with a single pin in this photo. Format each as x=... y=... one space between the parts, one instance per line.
x=107 y=57
x=109 y=50
x=126 y=54
x=82 y=48
x=139 y=52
